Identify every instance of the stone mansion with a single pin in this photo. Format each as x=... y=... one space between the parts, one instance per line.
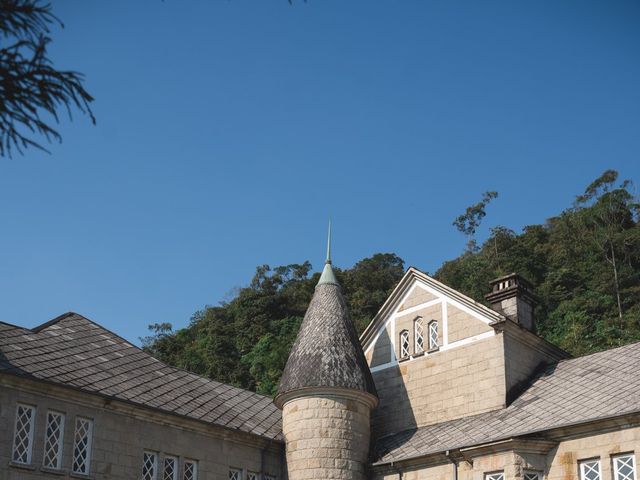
x=438 y=387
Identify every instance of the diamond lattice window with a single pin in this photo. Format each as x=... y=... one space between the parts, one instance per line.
x=419 y=335
x=269 y=477
x=494 y=476
x=590 y=470
x=235 y=474
x=433 y=334
x=624 y=467
x=23 y=434
x=170 y=471
x=190 y=470
x=149 y=466
x=531 y=476
x=253 y=476
x=404 y=344
x=53 y=440
x=82 y=445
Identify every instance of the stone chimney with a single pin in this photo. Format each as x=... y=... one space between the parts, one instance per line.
x=513 y=297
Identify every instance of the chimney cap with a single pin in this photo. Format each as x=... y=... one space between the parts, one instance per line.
x=509 y=286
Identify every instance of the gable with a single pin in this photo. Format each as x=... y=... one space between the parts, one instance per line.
x=418 y=297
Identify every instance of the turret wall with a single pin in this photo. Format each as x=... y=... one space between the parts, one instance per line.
x=327 y=438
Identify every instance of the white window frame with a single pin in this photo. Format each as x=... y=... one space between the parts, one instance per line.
x=176 y=467
x=494 y=475
x=269 y=477
x=59 y=440
x=237 y=472
x=433 y=340
x=87 y=461
x=195 y=469
x=418 y=335
x=617 y=459
x=585 y=468
x=253 y=475
x=532 y=475
x=29 y=438
x=154 y=464
x=404 y=344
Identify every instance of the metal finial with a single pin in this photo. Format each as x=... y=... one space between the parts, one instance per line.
x=328 y=260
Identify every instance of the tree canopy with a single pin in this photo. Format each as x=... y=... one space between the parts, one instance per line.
x=584 y=265
x=32 y=90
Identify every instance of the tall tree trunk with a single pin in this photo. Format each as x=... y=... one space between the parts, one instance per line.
x=615 y=278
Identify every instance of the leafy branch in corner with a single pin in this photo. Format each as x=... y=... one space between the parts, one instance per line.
x=470 y=220
x=31 y=88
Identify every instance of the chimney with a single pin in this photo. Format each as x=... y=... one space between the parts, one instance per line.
x=513 y=297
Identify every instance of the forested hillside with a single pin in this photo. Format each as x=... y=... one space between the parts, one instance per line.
x=584 y=265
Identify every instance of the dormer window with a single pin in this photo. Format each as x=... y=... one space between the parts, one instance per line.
x=418 y=335
x=404 y=344
x=433 y=334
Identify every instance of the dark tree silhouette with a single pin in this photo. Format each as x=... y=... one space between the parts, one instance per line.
x=32 y=90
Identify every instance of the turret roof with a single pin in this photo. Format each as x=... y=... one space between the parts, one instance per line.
x=327 y=351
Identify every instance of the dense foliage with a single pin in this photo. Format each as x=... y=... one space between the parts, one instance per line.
x=246 y=341
x=584 y=265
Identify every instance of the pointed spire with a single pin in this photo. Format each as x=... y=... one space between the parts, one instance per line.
x=327 y=272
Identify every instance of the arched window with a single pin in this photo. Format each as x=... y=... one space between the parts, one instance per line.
x=418 y=331
x=404 y=344
x=433 y=334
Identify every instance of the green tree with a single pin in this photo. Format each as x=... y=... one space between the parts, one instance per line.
x=32 y=90
x=470 y=220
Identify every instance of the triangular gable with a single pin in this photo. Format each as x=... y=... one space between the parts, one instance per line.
x=417 y=290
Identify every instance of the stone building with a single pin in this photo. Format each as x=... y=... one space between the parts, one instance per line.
x=438 y=387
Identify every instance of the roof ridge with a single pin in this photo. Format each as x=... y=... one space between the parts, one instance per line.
x=608 y=350
x=53 y=321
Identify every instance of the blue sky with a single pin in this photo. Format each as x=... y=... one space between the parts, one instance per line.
x=229 y=131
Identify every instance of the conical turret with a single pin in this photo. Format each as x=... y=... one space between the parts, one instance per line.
x=326 y=391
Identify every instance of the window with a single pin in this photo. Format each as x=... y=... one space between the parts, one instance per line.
x=23 y=434
x=590 y=470
x=418 y=335
x=190 y=470
x=269 y=477
x=253 y=476
x=494 y=476
x=82 y=445
x=149 y=465
x=433 y=334
x=404 y=344
x=235 y=474
x=531 y=475
x=170 y=470
x=53 y=441
x=624 y=467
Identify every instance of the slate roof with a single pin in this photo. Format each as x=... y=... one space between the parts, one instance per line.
x=327 y=351
x=573 y=391
x=76 y=352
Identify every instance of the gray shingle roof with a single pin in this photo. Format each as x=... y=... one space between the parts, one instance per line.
x=327 y=351
x=74 y=351
x=579 y=390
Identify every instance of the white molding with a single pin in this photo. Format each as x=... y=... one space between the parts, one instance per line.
x=444 y=348
x=445 y=323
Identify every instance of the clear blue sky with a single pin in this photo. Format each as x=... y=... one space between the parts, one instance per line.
x=229 y=131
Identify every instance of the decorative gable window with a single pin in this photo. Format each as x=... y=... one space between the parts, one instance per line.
x=82 y=446
x=170 y=470
x=253 y=476
x=494 y=476
x=235 y=474
x=23 y=434
x=624 y=467
x=404 y=344
x=590 y=470
x=531 y=475
x=433 y=334
x=149 y=466
x=418 y=335
x=53 y=441
x=269 y=477
x=190 y=470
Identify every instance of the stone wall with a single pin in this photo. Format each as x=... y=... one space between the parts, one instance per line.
x=440 y=386
x=327 y=438
x=120 y=438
